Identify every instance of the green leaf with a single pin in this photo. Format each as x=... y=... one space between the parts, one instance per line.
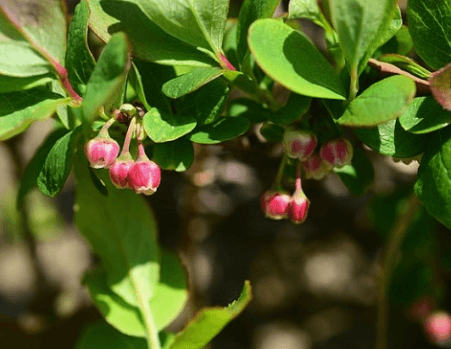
x=391 y=139
x=400 y=44
x=307 y=9
x=362 y=27
x=152 y=77
x=359 y=175
x=219 y=131
x=42 y=23
x=290 y=58
x=406 y=64
x=441 y=86
x=250 y=11
x=124 y=239
x=210 y=321
x=424 y=115
x=271 y=132
x=229 y=45
x=19 y=109
x=433 y=185
x=190 y=82
x=11 y=84
x=249 y=109
x=169 y=299
x=34 y=167
x=200 y=23
x=58 y=164
x=79 y=60
x=18 y=59
x=165 y=127
x=381 y=102
x=100 y=335
x=108 y=77
x=177 y=155
x=206 y=104
x=295 y=108
x=429 y=25
x=149 y=41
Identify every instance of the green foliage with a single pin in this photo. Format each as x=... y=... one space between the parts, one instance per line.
x=433 y=182
x=210 y=321
x=290 y=58
x=381 y=102
x=190 y=82
x=429 y=25
x=177 y=155
x=219 y=131
x=11 y=84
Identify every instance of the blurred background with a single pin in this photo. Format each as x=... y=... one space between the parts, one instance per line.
x=314 y=285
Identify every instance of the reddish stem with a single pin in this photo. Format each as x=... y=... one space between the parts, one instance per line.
x=62 y=72
x=128 y=137
x=225 y=62
x=298 y=183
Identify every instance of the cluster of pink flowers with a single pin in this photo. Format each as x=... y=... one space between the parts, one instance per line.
x=301 y=145
x=141 y=174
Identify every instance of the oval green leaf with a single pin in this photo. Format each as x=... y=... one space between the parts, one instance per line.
x=291 y=59
x=177 y=155
x=219 y=131
x=381 y=102
x=164 y=127
x=392 y=140
x=424 y=115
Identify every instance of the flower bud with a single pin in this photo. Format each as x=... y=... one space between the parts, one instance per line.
x=119 y=173
x=299 y=144
x=315 y=167
x=101 y=152
x=438 y=327
x=275 y=204
x=298 y=208
x=337 y=152
x=144 y=177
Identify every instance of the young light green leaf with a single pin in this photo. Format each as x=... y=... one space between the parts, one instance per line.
x=165 y=127
x=19 y=109
x=149 y=41
x=79 y=60
x=108 y=77
x=290 y=58
x=381 y=102
x=34 y=167
x=219 y=131
x=124 y=240
x=42 y=23
x=190 y=82
x=362 y=26
x=429 y=25
x=100 y=335
x=391 y=139
x=433 y=185
x=210 y=321
x=424 y=115
x=58 y=164
x=11 y=84
x=206 y=104
x=407 y=64
x=18 y=59
x=441 y=86
x=169 y=299
x=177 y=155
x=295 y=108
x=200 y=23
x=250 y=11
x=359 y=175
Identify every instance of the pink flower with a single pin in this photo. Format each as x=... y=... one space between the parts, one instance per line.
x=119 y=173
x=315 y=167
x=299 y=144
x=299 y=206
x=275 y=204
x=144 y=177
x=337 y=152
x=101 y=152
x=438 y=327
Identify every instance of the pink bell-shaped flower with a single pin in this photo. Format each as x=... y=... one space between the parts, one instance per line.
x=144 y=175
x=119 y=173
x=275 y=203
x=438 y=327
x=337 y=152
x=102 y=151
x=298 y=208
x=299 y=144
x=315 y=167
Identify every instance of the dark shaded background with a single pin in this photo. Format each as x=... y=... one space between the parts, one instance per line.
x=314 y=284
